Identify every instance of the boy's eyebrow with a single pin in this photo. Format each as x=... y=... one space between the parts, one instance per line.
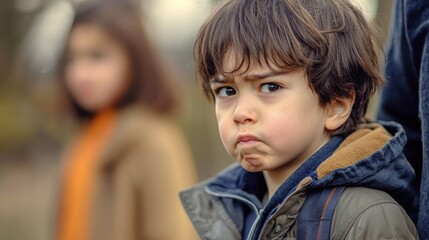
x=217 y=79
x=260 y=76
x=249 y=77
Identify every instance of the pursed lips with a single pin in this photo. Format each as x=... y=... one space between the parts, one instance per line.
x=243 y=139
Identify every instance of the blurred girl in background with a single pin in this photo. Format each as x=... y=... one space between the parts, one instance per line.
x=123 y=172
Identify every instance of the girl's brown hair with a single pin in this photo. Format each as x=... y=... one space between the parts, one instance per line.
x=151 y=81
x=330 y=39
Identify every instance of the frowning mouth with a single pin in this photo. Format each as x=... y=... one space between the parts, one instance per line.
x=246 y=139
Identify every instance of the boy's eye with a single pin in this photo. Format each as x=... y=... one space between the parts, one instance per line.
x=269 y=87
x=225 y=92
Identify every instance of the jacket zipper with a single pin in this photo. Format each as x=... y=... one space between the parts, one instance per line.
x=258 y=212
x=255 y=224
x=253 y=228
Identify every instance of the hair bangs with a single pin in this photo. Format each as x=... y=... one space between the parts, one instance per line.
x=255 y=32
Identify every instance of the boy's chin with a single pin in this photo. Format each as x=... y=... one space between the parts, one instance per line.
x=252 y=165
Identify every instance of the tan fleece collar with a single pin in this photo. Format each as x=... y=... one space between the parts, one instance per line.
x=361 y=144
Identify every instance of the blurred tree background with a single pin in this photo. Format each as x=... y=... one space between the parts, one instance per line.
x=34 y=126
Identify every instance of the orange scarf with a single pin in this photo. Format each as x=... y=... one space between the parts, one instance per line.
x=75 y=217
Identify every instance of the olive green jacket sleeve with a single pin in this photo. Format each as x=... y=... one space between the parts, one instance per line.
x=364 y=213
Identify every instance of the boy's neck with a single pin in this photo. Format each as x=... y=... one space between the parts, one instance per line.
x=275 y=178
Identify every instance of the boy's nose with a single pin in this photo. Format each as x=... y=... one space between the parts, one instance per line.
x=244 y=112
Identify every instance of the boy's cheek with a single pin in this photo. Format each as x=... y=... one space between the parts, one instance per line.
x=225 y=133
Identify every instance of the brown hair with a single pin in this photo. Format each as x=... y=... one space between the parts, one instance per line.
x=151 y=82
x=330 y=39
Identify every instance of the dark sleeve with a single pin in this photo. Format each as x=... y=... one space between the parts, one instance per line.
x=406 y=96
x=400 y=98
x=424 y=111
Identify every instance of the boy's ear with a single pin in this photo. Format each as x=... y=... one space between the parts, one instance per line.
x=338 y=111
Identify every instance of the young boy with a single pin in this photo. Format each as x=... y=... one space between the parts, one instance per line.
x=291 y=80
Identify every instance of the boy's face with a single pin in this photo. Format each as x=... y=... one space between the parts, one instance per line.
x=268 y=121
